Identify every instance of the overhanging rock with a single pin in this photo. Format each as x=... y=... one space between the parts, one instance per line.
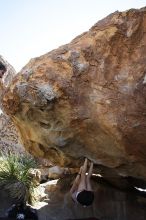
x=88 y=98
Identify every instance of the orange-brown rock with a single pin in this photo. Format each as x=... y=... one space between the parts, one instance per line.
x=88 y=98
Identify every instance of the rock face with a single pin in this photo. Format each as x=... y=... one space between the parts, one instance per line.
x=10 y=73
x=87 y=98
x=9 y=137
x=7 y=78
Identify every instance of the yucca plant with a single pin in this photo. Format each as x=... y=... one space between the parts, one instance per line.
x=14 y=176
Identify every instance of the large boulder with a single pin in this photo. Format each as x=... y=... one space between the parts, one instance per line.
x=87 y=98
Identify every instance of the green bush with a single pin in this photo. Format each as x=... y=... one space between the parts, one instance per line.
x=15 y=178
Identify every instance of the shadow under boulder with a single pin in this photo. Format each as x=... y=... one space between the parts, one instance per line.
x=109 y=203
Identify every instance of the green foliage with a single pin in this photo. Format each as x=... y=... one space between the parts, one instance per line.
x=14 y=176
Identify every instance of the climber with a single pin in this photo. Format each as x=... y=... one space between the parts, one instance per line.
x=81 y=190
x=2 y=69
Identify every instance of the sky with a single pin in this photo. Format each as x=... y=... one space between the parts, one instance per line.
x=30 y=28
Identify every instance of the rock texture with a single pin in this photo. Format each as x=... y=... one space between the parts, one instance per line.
x=8 y=76
x=10 y=140
x=87 y=98
x=10 y=73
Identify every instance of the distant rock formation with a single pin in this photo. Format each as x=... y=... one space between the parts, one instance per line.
x=7 y=78
x=9 y=137
x=88 y=99
x=10 y=73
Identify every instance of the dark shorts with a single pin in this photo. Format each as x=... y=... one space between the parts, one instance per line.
x=85 y=197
